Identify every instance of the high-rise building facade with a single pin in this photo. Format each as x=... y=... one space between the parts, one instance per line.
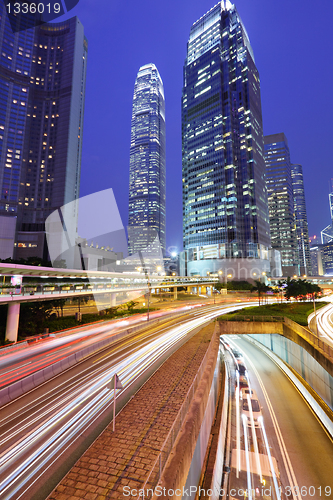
x=301 y=220
x=281 y=202
x=225 y=214
x=42 y=91
x=146 y=216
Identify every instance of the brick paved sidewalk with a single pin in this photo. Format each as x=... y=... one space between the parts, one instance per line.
x=125 y=457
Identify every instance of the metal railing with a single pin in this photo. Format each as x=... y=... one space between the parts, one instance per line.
x=157 y=469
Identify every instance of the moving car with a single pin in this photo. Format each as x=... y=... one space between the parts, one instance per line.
x=256 y=410
x=245 y=391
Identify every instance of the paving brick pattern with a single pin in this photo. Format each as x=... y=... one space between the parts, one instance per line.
x=126 y=456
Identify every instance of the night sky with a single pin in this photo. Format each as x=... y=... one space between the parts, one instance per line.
x=293 y=47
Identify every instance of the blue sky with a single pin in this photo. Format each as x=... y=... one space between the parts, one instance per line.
x=292 y=43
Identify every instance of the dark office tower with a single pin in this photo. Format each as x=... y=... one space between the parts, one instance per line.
x=15 y=70
x=225 y=215
x=281 y=202
x=146 y=217
x=42 y=80
x=301 y=219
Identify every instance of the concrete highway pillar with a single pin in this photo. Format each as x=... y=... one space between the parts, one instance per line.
x=175 y=293
x=113 y=299
x=13 y=317
x=203 y=290
x=198 y=290
x=189 y=289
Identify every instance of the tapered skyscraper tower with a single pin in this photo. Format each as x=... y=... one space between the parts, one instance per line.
x=225 y=214
x=146 y=217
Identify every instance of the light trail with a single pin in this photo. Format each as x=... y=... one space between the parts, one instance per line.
x=237 y=424
x=275 y=481
x=248 y=469
x=285 y=456
x=44 y=434
x=254 y=437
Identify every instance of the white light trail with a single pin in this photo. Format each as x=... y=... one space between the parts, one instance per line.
x=248 y=470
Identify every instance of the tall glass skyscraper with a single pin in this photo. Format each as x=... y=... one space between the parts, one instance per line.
x=301 y=219
x=281 y=202
x=146 y=217
x=42 y=92
x=225 y=214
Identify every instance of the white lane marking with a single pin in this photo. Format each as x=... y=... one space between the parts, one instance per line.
x=17 y=368
x=285 y=456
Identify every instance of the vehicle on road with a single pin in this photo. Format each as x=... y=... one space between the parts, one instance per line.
x=256 y=410
x=245 y=391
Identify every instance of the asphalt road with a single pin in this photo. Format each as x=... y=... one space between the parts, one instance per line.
x=297 y=440
x=44 y=432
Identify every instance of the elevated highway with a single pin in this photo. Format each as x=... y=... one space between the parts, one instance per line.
x=96 y=283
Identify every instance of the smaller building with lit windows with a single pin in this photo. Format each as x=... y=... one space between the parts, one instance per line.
x=281 y=202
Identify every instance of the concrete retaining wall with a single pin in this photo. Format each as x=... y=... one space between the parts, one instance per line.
x=302 y=362
x=289 y=329
x=248 y=327
x=186 y=460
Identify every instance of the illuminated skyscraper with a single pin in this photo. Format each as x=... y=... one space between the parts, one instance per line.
x=281 y=202
x=146 y=217
x=225 y=214
x=42 y=92
x=301 y=219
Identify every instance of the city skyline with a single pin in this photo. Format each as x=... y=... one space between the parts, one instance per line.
x=279 y=61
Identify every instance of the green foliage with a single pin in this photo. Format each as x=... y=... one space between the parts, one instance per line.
x=295 y=311
x=300 y=289
x=239 y=285
x=33 y=317
x=130 y=305
x=218 y=286
x=234 y=285
x=30 y=261
x=260 y=288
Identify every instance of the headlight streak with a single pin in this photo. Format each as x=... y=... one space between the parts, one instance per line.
x=4 y=485
x=276 y=486
x=129 y=368
x=254 y=436
x=324 y=323
x=248 y=473
x=237 y=425
x=71 y=392
x=292 y=481
x=117 y=349
x=68 y=435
